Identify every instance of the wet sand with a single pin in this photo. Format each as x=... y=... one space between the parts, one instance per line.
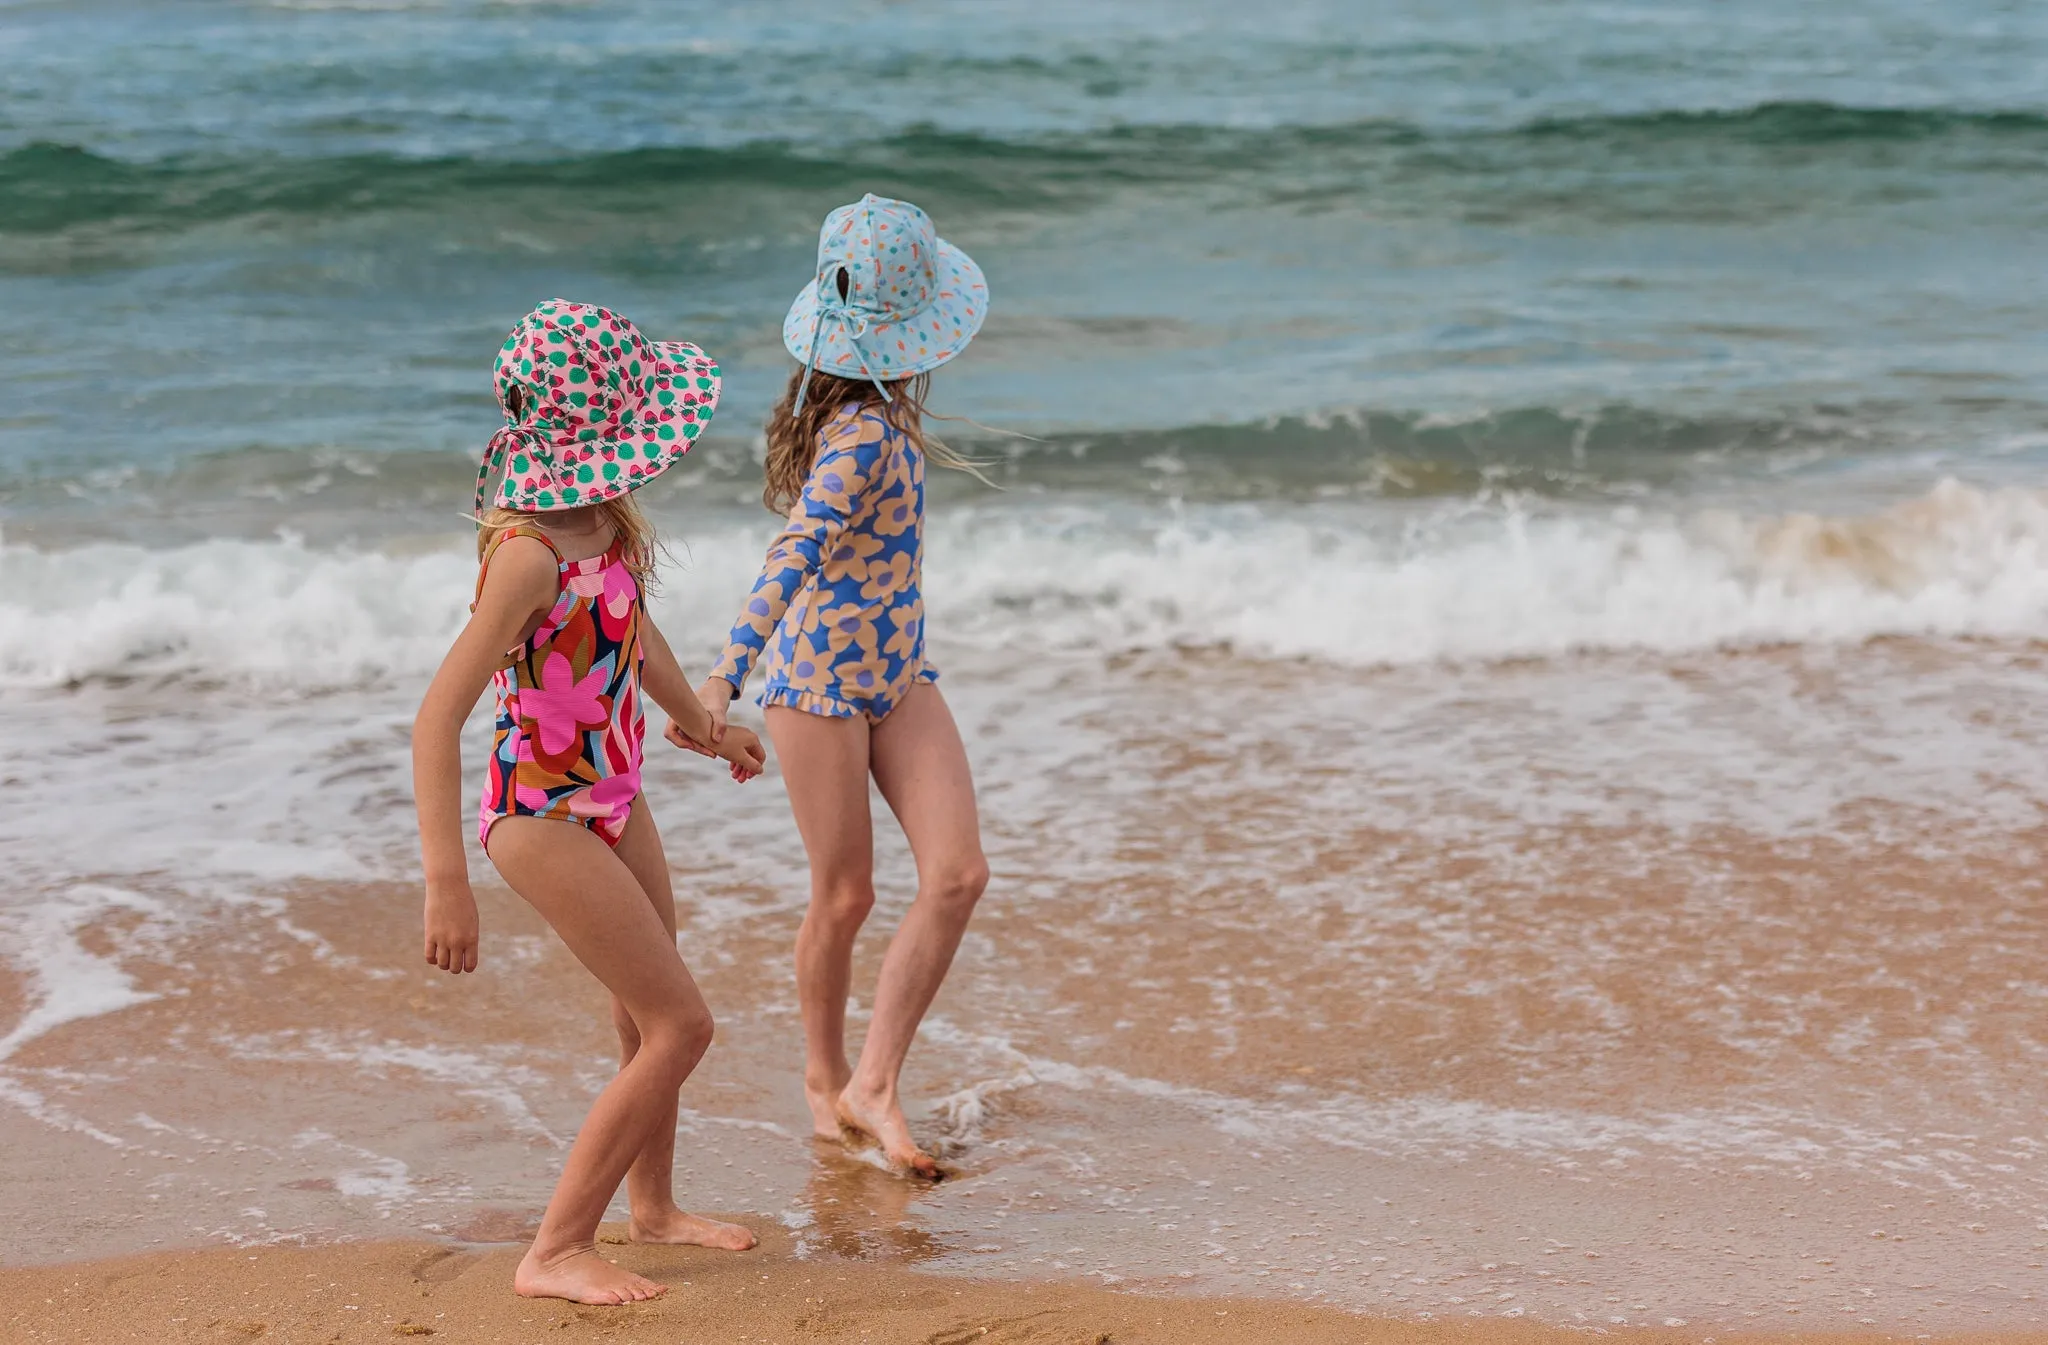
x=382 y=1291
x=1608 y=994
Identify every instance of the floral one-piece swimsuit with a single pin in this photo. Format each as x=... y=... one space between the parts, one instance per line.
x=570 y=720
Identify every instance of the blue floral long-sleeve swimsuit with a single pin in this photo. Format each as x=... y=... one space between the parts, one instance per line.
x=836 y=617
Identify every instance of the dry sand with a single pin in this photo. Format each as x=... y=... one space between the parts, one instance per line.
x=380 y=1291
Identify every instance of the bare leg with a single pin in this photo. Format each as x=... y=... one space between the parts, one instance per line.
x=921 y=766
x=650 y=1182
x=600 y=911
x=825 y=769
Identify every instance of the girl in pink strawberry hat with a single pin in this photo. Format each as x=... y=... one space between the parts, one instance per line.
x=559 y=629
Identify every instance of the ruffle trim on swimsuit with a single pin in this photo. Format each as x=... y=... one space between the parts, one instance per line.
x=810 y=702
x=832 y=707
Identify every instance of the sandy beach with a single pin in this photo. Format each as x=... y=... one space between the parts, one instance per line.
x=1679 y=1035
x=460 y=1294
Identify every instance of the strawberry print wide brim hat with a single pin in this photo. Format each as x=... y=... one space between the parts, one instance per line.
x=891 y=298
x=593 y=409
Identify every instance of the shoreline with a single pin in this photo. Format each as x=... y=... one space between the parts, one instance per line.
x=461 y=1292
x=1417 y=1048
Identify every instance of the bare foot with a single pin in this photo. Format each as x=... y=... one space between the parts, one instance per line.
x=881 y=1119
x=824 y=1102
x=582 y=1276
x=677 y=1229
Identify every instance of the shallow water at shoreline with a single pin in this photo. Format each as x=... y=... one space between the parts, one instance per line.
x=1619 y=988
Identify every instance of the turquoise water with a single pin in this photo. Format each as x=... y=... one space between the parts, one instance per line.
x=1408 y=248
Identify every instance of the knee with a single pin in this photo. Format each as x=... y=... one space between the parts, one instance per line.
x=844 y=903
x=679 y=1040
x=959 y=883
x=696 y=1030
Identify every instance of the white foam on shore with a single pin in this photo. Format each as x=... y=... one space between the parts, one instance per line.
x=1438 y=1129
x=1363 y=583
x=66 y=982
x=1383 y=586
x=501 y=1082
x=379 y=1178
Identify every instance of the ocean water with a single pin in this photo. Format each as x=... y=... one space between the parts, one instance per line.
x=1504 y=670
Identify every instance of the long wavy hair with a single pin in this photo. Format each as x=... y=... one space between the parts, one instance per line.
x=793 y=435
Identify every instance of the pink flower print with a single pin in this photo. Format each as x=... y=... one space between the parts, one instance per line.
x=621 y=592
x=620 y=589
x=562 y=706
x=607 y=798
x=531 y=799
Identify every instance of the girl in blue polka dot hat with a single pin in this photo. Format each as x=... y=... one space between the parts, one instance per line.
x=836 y=622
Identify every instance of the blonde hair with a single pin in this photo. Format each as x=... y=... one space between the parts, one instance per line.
x=642 y=547
x=793 y=435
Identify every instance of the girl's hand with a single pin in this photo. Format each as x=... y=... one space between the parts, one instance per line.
x=743 y=751
x=452 y=927
x=716 y=694
x=674 y=733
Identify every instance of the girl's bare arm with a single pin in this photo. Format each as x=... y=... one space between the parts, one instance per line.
x=666 y=686
x=520 y=585
x=663 y=679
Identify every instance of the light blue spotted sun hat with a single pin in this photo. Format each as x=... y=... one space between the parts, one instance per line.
x=891 y=298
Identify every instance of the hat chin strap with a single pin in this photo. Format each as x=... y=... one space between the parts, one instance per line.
x=830 y=306
x=500 y=446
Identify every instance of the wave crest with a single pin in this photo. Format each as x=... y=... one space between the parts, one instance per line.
x=1460 y=586
x=1384 y=584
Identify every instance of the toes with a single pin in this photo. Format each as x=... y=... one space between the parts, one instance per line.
x=918 y=1161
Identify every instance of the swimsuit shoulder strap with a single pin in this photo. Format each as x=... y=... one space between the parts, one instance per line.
x=483 y=566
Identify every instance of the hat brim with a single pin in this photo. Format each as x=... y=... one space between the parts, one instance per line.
x=682 y=398
x=914 y=344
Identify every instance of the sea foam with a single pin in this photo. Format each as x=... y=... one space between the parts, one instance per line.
x=1375 y=583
